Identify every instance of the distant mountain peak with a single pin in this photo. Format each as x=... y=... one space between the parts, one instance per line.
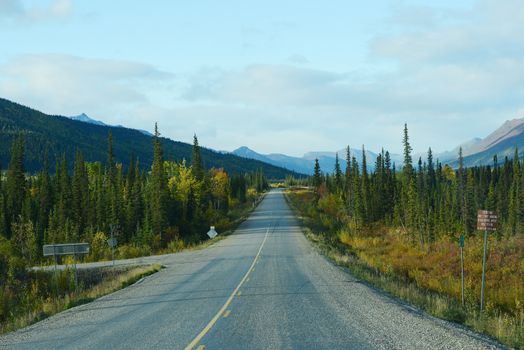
x=246 y=152
x=242 y=149
x=305 y=164
x=506 y=131
x=86 y=119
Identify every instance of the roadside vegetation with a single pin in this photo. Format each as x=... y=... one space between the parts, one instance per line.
x=164 y=210
x=40 y=294
x=400 y=231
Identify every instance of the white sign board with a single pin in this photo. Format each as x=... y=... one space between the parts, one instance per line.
x=112 y=242
x=212 y=233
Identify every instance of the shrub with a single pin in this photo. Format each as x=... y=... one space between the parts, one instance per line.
x=99 y=248
x=130 y=251
x=176 y=246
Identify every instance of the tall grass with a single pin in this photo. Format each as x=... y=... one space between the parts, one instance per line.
x=44 y=293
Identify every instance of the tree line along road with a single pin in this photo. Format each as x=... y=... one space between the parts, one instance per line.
x=264 y=287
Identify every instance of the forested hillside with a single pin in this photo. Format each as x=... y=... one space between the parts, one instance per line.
x=160 y=210
x=61 y=135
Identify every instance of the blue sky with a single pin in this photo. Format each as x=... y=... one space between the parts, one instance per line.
x=277 y=76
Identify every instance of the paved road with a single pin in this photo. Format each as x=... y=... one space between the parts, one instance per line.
x=264 y=287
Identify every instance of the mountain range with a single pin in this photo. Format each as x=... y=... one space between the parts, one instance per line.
x=501 y=142
x=61 y=135
x=86 y=119
x=477 y=151
x=65 y=135
x=305 y=164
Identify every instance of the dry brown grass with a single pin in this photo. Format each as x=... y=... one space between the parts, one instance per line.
x=45 y=307
x=429 y=277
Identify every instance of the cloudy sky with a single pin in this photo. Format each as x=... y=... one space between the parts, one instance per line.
x=277 y=76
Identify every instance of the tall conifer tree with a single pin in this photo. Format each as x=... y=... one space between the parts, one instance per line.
x=317 y=175
x=15 y=182
x=158 y=187
x=196 y=160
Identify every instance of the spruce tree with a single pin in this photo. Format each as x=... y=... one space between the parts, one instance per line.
x=129 y=225
x=348 y=177
x=158 y=194
x=390 y=186
x=470 y=203
x=45 y=200
x=15 y=183
x=356 y=209
x=63 y=206
x=2 y=205
x=365 y=209
x=317 y=175
x=461 y=193
x=196 y=160
x=79 y=194
x=432 y=180
x=110 y=156
x=338 y=174
x=515 y=195
x=408 y=161
x=408 y=203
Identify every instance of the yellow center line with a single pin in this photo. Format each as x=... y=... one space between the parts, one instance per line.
x=214 y=320
x=201 y=347
x=239 y=293
x=227 y=313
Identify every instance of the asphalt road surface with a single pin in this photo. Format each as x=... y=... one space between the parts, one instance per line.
x=263 y=287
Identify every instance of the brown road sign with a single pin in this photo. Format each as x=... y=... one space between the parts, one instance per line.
x=486 y=220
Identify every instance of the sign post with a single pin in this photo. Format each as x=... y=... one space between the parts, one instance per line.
x=76 y=271
x=55 y=250
x=112 y=241
x=462 y=266
x=56 y=278
x=486 y=221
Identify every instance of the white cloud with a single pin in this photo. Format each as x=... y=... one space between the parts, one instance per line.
x=19 y=10
x=266 y=85
x=63 y=84
x=459 y=76
x=11 y=8
x=451 y=75
x=490 y=29
x=437 y=88
x=61 y=8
